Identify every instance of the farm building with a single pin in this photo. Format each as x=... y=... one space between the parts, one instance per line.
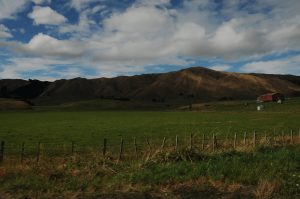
x=271 y=97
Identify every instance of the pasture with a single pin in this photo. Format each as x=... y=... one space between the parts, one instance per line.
x=267 y=171
x=88 y=128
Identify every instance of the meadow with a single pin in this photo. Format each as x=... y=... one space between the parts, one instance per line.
x=88 y=128
x=266 y=171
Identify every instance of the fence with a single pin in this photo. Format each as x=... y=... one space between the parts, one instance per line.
x=134 y=148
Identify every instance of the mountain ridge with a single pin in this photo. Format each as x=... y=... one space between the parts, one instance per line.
x=195 y=83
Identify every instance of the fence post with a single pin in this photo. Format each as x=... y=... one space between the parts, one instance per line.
x=203 y=141
x=2 y=152
x=135 y=147
x=176 y=143
x=191 y=141
x=292 y=136
x=148 y=143
x=121 y=150
x=234 y=141
x=22 y=152
x=274 y=136
x=283 y=138
x=266 y=137
x=104 y=147
x=38 y=152
x=214 y=143
x=163 y=143
x=72 y=148
x=245 y=138
x=254 y=139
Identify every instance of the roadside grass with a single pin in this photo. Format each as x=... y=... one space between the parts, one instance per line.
x=262 y=173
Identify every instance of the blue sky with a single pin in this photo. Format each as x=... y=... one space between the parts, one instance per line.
x=54 y=39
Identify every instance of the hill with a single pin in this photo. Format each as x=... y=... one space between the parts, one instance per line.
x=11 y=104
x=179 y=87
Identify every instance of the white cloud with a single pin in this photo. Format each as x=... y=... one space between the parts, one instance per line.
x=287 y=34
x=151 y=33
x=221 y=67
x=152 y=2
x=4 y=32
x=41 y=1
x=233 y=41
x=279 y=66
x=23 y=67
x=83 y=28
x=9 y=8
x=45 y=45
x=82 y=4
x=46 y=16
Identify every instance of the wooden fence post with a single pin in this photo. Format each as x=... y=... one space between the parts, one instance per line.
x=283 y=138
x=292 y=137
x=176 y=143
x=163 y=143
x=38 y=152
x=266 y=137
x=104 y=147
x=22 y=152
x=234 y=141
x=135 y=147
x=2 y=152
x=148 y=143
x=72 y=148
x=203 y=141
x=245 y=138
x=213 y=143
x=191 y=141
x=254 y=139
x=121 y=150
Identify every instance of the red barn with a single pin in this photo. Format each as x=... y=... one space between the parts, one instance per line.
x=271 y=97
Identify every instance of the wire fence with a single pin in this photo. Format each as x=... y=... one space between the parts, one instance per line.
x=135 y=148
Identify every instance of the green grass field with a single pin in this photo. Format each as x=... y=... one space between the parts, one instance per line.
x=88 y=128
x=262 y=172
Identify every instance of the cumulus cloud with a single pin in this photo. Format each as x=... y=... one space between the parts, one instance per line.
x=148 y=33
x=46 y=16
x=45 y=45
x=23 y=67
x=279 y=66
x=83 y=27
x=9 y=9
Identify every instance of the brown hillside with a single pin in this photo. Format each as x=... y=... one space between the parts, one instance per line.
x=195 y=83
x=10 y=104
x=199 y=82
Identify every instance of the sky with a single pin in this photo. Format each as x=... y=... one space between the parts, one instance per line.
x=63 y=39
